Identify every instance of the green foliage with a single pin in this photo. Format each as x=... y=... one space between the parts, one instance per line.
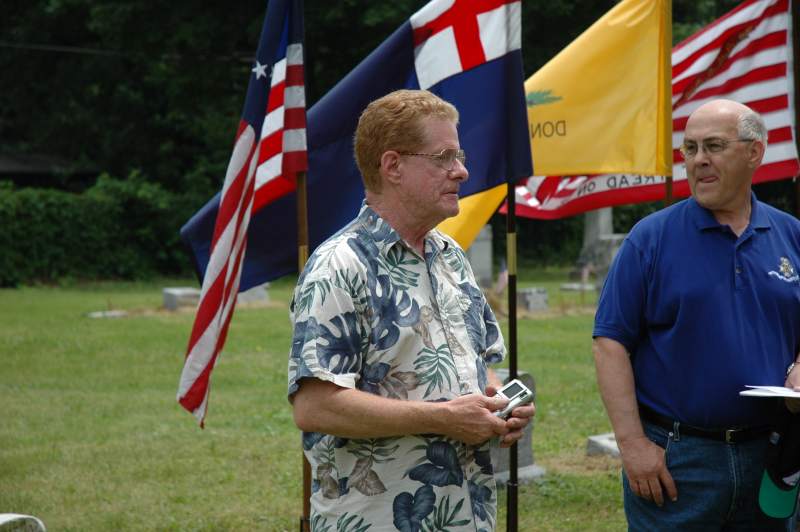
x=153 y=91
x=116 y=229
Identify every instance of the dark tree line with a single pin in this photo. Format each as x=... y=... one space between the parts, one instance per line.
x=152 y=90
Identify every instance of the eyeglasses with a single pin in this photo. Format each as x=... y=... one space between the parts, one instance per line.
x=710 y=146
x=446 y=158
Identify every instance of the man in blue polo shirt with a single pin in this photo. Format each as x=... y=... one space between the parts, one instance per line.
x=703 y=298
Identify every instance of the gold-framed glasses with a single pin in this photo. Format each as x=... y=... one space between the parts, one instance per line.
x=446 y=158
x=710 y=146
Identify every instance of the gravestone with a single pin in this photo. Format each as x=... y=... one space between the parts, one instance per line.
x=606 y=249
x=527 y=470
x=180 y=296
x=577 y=287
x=532 y=299
x=256 y=294
x=479 y=255
x=108 y=314
x=595 y=223
x=183 y=296
x=602 y=444
x=600 y=245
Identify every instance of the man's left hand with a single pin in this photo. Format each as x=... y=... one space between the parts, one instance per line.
x=793 y=382
x=516 y=422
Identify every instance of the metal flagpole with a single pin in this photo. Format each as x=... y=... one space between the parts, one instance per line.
x=668 y=199
x=511 y=254
x=302 y=258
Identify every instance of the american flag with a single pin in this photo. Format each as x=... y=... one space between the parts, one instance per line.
x=269 y=152
x=746 y=55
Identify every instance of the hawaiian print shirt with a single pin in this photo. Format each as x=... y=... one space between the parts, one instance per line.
x=370 y=313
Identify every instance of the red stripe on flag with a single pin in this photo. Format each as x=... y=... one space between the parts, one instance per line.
x=782 y=134
x=275 y=97
x=765 y=105
x=294 y=118
x=295 y=161
x=273 y=190
x=270 y=146
x=754 y=76
x=231 y=199
x=769 y=105
x=772 y=40
x=206 y=311
x=727 y=39
x=776 y=171
x=294 y=75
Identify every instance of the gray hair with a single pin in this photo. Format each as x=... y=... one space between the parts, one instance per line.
x=751 y=126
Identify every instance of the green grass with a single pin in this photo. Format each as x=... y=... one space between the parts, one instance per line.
x=91 y=437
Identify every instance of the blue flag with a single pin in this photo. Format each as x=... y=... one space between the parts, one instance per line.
x=466 y=52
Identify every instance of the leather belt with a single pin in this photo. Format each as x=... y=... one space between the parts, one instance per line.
x=730 y=435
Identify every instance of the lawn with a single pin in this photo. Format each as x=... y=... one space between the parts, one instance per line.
x=91 y=437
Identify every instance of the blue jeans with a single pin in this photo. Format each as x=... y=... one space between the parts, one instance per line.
x=717 y=486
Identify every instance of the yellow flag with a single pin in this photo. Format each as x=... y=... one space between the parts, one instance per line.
x=603 y=104
x=474 y=211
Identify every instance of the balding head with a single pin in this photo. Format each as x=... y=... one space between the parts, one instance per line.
x=747 y=123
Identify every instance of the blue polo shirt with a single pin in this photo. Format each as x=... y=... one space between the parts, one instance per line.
x=703 y=312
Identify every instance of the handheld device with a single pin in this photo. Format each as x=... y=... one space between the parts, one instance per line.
x=517 y=394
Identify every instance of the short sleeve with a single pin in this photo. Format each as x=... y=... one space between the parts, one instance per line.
x=328 y=331
x=495 y=346
x=620 y=310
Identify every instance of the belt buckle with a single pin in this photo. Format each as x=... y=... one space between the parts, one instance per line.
x=729 y=435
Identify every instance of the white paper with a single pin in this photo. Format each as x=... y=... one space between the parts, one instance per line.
x=769 y=391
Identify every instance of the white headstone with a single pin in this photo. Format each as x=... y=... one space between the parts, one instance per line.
x=255 y=294
x=526 y=468
x=176 y=296
x=480 y=257
x=602 y=444
x=532 y=299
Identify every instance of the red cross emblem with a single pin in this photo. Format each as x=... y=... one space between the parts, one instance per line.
x=463 y=18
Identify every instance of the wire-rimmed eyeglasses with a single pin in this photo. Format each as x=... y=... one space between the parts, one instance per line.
x=710 y=146
x=446 y=158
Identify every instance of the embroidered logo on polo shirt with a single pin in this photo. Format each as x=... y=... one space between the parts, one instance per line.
x=786 y=271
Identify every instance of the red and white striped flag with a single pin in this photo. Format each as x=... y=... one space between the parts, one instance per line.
x=746 y=56
x=269 y=152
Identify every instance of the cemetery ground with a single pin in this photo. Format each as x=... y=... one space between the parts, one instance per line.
x=91 y=437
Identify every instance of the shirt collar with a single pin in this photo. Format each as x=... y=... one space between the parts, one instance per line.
x=385 y=236
x=379 y=229
x=435 y=242
x=704 y=219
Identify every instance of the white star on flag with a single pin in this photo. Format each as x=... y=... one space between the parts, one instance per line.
x=260 y=70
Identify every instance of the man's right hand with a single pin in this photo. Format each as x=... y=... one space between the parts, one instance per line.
x=646 y=468
x=470 y=418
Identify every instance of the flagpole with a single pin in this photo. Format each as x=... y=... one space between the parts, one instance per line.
x=795 y=58
x=302 y=258
x=668 y=199
x=511 y=259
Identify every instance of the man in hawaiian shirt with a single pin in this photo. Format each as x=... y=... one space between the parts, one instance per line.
x=392 y=336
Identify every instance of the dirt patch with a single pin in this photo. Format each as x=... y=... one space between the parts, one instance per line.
x=578 y=463
x=161 y=311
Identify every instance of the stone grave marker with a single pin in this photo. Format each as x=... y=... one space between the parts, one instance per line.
x=527 y=470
